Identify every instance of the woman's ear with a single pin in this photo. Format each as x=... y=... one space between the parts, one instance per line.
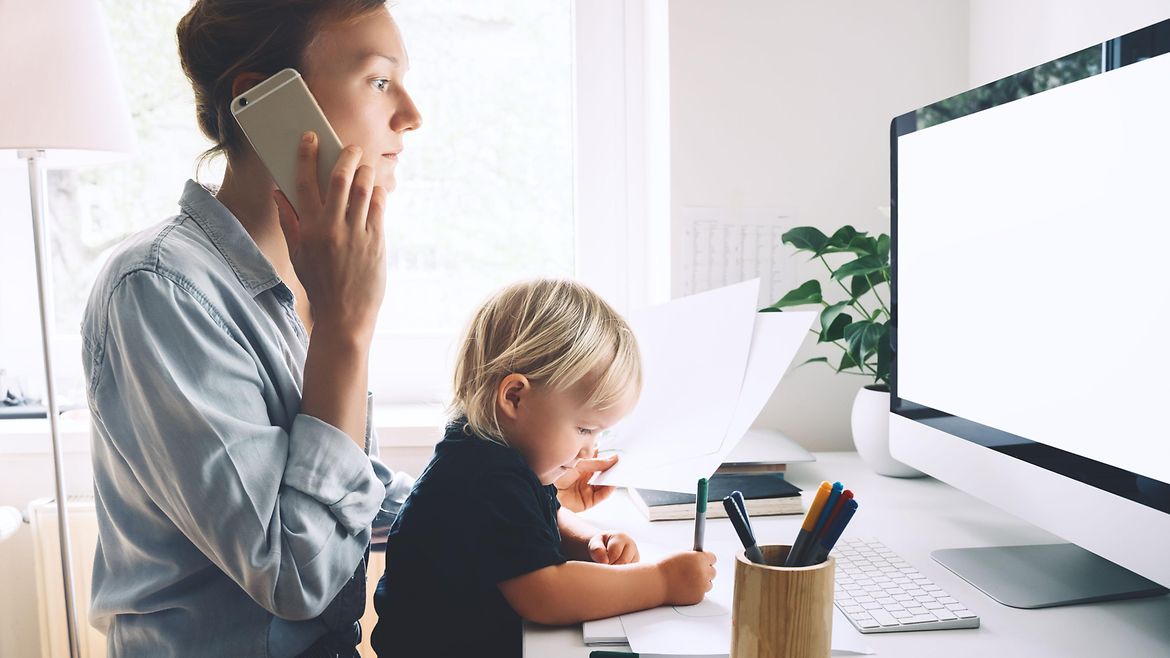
x=512 y=390
x=245 y=81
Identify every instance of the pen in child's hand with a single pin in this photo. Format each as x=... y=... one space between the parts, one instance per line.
x=700 y=513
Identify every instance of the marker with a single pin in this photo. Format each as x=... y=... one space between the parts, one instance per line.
x=700 y=513
x=606 y=653
x=844 y=498
x=820 y=553
x=802 y=558
x=744 y=530
x=737 y=496
x=834 y=494
x=804 y=537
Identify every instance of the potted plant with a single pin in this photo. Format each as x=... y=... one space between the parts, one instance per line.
x=858 y=324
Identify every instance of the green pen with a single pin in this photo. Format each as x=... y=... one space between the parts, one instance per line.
x=700 y=513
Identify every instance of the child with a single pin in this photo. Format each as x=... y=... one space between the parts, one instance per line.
x=482 y=542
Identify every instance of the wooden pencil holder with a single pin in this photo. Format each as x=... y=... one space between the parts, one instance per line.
x=781 y=612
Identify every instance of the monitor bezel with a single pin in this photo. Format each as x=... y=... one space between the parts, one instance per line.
x=1152 y=41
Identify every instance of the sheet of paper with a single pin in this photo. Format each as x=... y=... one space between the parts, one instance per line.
x=694 y=352
x=703 y=629
x=692 y=451
x=846 y=641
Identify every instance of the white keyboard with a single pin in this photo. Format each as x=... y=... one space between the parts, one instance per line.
x=881 y=593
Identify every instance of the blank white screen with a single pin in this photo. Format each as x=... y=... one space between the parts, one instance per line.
x=1032 y=267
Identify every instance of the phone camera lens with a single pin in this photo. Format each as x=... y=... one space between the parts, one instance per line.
x=243 y=102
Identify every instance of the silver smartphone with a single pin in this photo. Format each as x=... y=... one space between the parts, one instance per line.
x=273 y=115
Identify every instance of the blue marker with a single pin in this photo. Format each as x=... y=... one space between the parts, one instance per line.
x=820 y=551
x=806 y=551
x=829 y=504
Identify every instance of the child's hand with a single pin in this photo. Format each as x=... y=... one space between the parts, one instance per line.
x=687 y=576
x=613 y=548
x=573 y=488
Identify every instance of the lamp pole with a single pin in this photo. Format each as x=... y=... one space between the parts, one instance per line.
x=37 y=195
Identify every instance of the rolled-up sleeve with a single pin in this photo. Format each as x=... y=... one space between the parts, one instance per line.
x=283 y=508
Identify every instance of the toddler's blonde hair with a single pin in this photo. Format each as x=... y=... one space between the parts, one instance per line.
x=555 y=332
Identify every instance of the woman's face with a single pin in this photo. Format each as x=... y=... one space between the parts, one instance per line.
x=355 y=70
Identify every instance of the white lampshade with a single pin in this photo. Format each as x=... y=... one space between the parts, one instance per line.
x=59 y=87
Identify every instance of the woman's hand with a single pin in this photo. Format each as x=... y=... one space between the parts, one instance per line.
x=613 y=548
x=337 y=246
x=573 y=488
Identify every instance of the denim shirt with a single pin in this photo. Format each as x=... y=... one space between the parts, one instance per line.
x=228 y=521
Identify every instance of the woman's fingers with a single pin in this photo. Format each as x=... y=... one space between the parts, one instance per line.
x=377 y=212
x=360 y=193
x=308 y=193
x=340 y=182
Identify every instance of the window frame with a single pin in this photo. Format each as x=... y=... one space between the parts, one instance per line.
x=621 y=197
x=620 y=186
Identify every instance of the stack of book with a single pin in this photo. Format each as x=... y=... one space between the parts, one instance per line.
x=764 y=494
x=755 y=467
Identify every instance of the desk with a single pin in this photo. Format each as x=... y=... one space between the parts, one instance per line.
x=913 y=517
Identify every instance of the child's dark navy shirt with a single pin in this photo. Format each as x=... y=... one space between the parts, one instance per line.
x=477 y=516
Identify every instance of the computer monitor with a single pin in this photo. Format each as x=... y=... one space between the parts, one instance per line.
x=1031 y=309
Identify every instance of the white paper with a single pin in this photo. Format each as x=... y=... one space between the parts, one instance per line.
x=695 y=407
x=694 y=352
x=703 y=629
x=604 y=632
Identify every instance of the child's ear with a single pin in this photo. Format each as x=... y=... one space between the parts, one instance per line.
x=512 y=389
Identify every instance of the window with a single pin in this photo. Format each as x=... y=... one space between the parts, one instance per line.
x=491 y=189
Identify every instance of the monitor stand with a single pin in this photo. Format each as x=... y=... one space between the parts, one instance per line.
x=1044 y=575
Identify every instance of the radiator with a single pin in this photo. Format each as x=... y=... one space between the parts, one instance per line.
x=83 y=534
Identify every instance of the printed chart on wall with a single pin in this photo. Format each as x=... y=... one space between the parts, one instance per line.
x=722 y=246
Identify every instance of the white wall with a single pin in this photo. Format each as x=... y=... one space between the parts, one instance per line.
x=781 y=103
x=1008 y=36
x=20 y=337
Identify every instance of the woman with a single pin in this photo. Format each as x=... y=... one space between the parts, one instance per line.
x=226 y=357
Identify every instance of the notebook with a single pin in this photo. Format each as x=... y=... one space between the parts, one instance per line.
x=764 y=494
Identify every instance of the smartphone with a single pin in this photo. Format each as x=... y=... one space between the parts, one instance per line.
x=273 y=115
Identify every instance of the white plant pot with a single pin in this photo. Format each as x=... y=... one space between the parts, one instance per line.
x=871 y=433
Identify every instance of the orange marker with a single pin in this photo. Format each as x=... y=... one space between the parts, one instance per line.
x=804 y=537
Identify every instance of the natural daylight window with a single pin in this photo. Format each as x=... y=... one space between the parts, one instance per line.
x=485 y=191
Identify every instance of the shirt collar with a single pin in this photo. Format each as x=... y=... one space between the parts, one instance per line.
x=251 y=267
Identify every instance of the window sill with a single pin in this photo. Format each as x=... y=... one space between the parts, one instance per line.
x=398 y=425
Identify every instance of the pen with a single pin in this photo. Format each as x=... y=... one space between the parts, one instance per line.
x=810 y=521
x=820 y=552
x=740 y=523
x=700 y=513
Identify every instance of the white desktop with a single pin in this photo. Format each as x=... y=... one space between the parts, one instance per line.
x=1028 y=293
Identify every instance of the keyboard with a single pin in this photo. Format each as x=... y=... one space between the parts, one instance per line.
x=879 y=592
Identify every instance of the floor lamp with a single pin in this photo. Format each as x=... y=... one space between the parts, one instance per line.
x=61 y=105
